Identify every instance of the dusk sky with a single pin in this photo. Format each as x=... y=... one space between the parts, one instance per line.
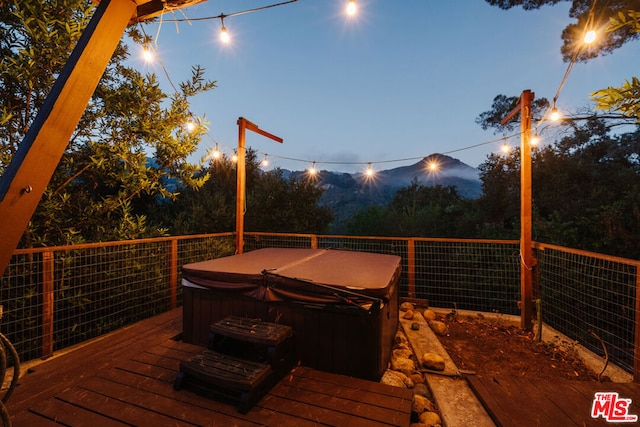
x=400 y=80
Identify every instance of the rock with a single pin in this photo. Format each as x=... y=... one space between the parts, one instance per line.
x=401 y=340
x=393 y=379
x=429 y=315
x=402 y=352
x=417 y=378
x=429 y=418
x=406 y=306
x=433 y=361
x=415 y=326
x=403 y=364
x=438 y=327
x=408 y=315
x=421 y=404
x=422 y=390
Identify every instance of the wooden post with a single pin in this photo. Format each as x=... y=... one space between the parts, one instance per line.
x=527 y=262
x=173 y=271
x=411 y=268
x=27 y=176
x=47 y=303
x=243 y=126
x=636 y=333
x=526 y=250
x=241 y=180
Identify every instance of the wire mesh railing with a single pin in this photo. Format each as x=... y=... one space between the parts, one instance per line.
x=57 y=297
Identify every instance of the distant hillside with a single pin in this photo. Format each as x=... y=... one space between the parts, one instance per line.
x=348 y=193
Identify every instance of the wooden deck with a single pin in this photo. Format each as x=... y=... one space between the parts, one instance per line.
x=519 y=402
x=126 y=378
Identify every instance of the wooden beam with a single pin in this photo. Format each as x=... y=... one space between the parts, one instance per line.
x=37 y=157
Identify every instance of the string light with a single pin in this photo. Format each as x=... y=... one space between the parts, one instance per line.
x=265 y=161
x=535 y=140
x=190 y=126
x=216 y=153
x=433 y=166
x=224 y=35
x=147 y=55
x=312 y=169
x=351 y=8
x=369 y=172
x=590 y=37
x=234 y=157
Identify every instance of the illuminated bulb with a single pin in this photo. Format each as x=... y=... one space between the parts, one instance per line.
x=555 y=115
x=535 y=139
x=224 y=35
x=433 y=166
x=190 y=126
x=215 y=153
x=590 y=37
x=351 y=8
x=369 y=172
x=234 y=158
x=147 y=54
x=505 y=148
x=265 y=161
x=312 y=169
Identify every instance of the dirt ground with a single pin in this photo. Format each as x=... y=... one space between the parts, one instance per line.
x=491 y=348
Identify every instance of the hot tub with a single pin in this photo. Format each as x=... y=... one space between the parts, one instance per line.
x=342 y=305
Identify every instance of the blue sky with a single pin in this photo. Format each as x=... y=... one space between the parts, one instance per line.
x=400 y=80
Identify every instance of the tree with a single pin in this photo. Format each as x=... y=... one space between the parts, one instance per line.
x=274 y=203
x=130 y=145
x=584 y=191
x=621 y=17
x=620 y=20
x=418 y=211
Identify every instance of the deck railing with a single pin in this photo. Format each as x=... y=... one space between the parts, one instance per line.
x=60 y=296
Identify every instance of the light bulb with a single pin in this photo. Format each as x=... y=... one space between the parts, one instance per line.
x=590 y=37
x=190 y=126
x=224 y=35
x=234 y=158
x=265 y=161
x=351 y=8
x=312 y=169
x=555 y=115
x=147 y=54
x=433 y=166
x=535 y=139
x=369 y=172
x=215 y=153
x=505 y=148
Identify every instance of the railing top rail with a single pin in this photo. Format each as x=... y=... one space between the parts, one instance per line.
x=612 y=258
x=116 y=243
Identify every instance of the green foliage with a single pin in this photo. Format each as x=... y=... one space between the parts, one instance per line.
x=273 y=203
x=625 y=99
x=620 y=15
x=584 y=192
x=417 y=211
x=130 y=147
x=501 y=106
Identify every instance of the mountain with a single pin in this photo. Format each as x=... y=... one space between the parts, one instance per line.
x=348 y=193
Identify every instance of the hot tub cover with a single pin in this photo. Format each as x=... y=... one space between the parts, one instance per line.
x=306 y=275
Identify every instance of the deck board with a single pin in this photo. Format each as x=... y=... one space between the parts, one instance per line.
x=126 y=378
x=516 y=401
